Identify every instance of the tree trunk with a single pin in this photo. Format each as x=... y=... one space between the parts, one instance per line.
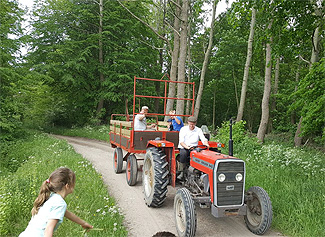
x=100 y=54
x=275 y=91
x=173 y=68
x=293 y=114
x=182 y=57
x=235 y=85
x=247 y=65
x=298 y=138
x=214 y=111
x=267 y=90
x=205 y=63
x=314 y=58
x=160 y=26
x=188 y=109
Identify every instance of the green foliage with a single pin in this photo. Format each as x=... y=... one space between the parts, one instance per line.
x=10 y=86
x=310 y=100
x=240 y=136
x=41 y=155
x=65 y=47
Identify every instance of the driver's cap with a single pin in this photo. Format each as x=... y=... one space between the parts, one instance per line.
x=192 y=119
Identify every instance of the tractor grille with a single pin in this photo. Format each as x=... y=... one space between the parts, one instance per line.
x=230 y=192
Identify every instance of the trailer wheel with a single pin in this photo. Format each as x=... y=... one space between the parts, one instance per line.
x=118 y=160
x=258 y=218
x=184 y=213
x=131 y=170
x=155 y=177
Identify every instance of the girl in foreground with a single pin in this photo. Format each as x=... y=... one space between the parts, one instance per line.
x=50 y=207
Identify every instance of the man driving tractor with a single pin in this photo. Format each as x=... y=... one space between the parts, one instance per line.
x=189 y=137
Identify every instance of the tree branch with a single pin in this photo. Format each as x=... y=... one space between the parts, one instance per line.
x=176 y=4
x=306 y=61
x=146 y=24
x=172 y=27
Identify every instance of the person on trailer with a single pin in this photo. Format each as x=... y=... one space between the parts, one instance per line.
x=170 y=125
x=177 y=122
x=140 y=123
x=189 y=137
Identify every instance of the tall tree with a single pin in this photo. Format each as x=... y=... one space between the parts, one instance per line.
x=11 y=78
x=318 y=11
x=267 y=90
x=174 y=60
x=247 y=67
x=100 y=53
x=205 y=62
x=182 y=57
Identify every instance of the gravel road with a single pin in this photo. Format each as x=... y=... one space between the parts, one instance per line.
x=141 y=220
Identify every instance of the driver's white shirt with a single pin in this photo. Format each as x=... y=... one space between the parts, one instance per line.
x=190 y=137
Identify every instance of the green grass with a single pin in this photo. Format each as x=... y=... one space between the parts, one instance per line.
x=92 y=132
x=293 y=178
x=39 y=155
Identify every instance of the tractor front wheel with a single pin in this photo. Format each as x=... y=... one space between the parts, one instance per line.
x=184 y=213
x=118 y=160
x=259 y=214
x=155 y=177
x=131 y=170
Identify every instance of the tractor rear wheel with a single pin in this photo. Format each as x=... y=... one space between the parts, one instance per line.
x=185 y=213
x=131 y=170
x=155 y=177
x=118 y=160
x=258 y=218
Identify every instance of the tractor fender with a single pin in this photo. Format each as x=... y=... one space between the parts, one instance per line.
x=159 y=143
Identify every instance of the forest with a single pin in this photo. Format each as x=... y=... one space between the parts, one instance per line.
x=258 y=61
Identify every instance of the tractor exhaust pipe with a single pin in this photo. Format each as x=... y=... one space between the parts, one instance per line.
x=231 y=149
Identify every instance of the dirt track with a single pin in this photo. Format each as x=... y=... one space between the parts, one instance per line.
x=141 y=220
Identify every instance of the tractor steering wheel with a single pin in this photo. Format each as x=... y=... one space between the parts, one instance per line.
x=199 y=148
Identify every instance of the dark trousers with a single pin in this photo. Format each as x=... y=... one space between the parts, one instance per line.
x=184 y=156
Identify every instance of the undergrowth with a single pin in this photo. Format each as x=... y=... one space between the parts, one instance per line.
x=92 y=132
x=36 y=158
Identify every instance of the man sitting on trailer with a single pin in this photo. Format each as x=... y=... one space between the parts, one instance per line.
x=140 y=123
x=189 y=137
x=170 y=125
x=176 y=121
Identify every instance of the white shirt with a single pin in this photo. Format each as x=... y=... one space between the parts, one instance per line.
x=53 y=208
x=190 y=137
x=140 y=125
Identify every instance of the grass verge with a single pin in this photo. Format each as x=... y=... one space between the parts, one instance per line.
x=39 y=155
x=92 y=132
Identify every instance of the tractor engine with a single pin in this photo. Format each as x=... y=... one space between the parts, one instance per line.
x=197 y=182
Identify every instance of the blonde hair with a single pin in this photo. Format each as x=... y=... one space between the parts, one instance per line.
x=57 y=180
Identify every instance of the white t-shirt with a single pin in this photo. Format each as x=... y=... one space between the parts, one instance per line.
x=190 y=137
x=53 y=208
x=140 y=125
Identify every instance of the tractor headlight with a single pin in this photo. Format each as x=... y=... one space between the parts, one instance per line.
x=221 y=177
x=239 y=177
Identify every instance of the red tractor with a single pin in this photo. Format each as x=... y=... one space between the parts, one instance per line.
x=212 y=180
